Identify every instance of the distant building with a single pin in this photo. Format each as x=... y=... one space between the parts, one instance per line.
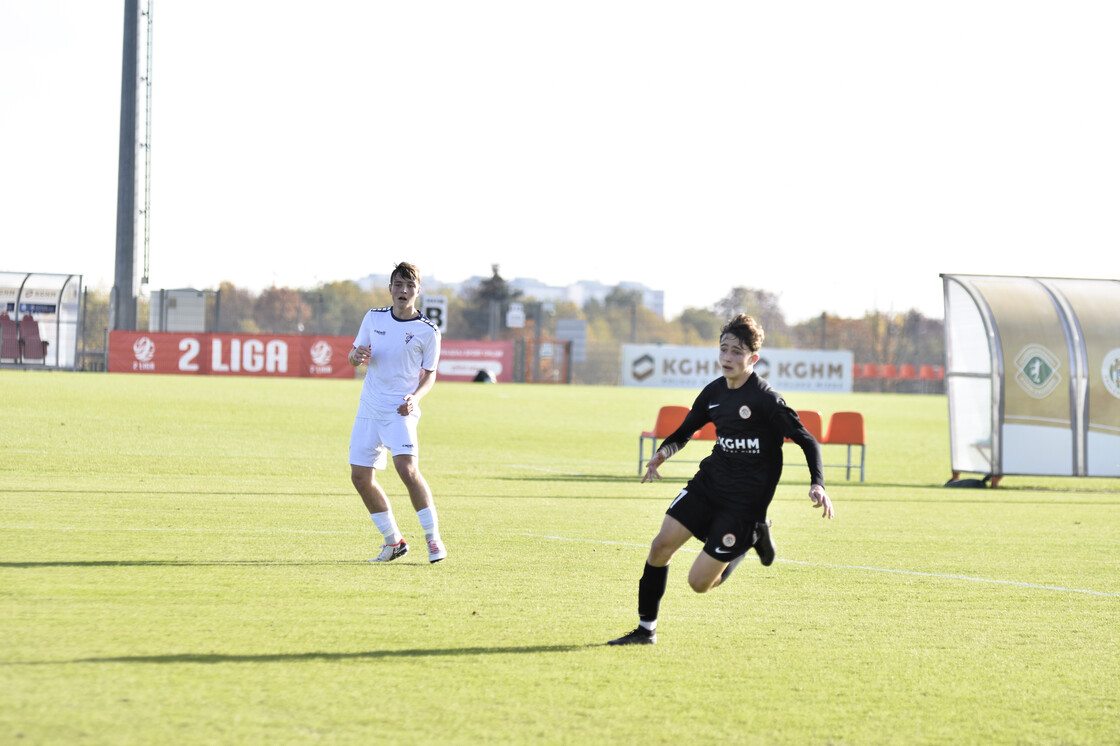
x=578 y=293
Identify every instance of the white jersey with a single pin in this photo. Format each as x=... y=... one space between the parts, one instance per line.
x=399 y=349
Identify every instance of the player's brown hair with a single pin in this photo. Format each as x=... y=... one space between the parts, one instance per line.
x=747 y=330
x=405 y=271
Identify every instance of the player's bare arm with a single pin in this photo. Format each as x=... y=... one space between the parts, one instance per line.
x=821 y=500
x=427 y=380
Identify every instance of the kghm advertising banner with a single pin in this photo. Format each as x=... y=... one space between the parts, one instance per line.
x=679 y=366
x=1033 y=375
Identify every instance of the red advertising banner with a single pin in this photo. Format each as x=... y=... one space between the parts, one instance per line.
x=285 y=355
x=280 y=355
x=461 y=360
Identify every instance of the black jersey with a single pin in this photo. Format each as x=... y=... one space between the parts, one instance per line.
x=751 y=423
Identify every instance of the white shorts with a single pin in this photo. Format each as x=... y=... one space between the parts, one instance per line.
x=370 y=440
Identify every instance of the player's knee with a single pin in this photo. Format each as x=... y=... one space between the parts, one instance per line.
x=701 y=583
x=700 y=586
x=410 y=477
x=660 y=552
x=361 y=477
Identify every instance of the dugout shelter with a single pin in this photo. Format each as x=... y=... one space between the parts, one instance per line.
x=1033 y=375
x=46 y=312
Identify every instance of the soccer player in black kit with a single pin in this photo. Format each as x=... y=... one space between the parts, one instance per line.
x=725 y=504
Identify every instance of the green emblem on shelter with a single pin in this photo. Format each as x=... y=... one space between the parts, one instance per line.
x=1037 y=371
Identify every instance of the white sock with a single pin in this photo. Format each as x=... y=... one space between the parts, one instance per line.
x=429 y=522
x=387 y=526
x=651 y=626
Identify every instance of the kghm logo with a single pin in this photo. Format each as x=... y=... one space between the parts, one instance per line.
x=1037 y=371
x=740 y=445
x=1110 y=372
x=642 y=368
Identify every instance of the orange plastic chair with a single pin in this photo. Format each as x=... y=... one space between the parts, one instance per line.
x=708 y=432
x=870 y=370
x=813 y=422
x=929 y=375
x=907 y=371
x=847 y=429
x=669 y=418
x=889 y=370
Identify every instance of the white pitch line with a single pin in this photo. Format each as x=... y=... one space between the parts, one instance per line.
x=970 y=578
x=550 y=471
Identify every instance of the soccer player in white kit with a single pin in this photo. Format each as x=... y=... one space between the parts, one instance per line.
x=400 y=346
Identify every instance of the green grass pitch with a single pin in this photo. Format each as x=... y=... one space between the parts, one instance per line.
x=183 y=560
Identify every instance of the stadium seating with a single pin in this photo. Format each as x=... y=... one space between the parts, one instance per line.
x=847 y=429
x=9 y=339
x=931 y=377
x=901 y=378
x=931 y=373
x=32 y=347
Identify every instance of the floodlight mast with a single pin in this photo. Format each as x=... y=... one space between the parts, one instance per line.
x=147 y=144
x=122 y=306
x=123 y=300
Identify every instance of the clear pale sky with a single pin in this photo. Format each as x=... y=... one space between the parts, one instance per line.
x=839 y=154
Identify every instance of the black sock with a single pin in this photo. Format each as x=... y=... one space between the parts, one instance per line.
x=650 y=590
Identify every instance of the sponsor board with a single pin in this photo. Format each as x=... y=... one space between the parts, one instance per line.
x=461 y=360
x=273 y=355
x=279 y=355
x=678 y=366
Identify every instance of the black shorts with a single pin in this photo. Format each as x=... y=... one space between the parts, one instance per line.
x=726 y=531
